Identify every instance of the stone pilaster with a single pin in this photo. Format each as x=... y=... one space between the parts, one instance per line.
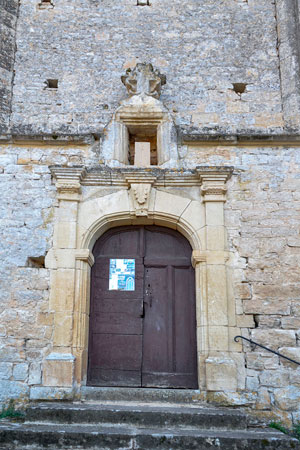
x=58 y=368
x=220 y=368
x=84 y=261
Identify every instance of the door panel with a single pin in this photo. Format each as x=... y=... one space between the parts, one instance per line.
x=145 y=337
x=157 y=324
x=116 y=323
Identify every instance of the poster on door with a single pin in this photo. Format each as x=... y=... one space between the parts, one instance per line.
x=121 y=274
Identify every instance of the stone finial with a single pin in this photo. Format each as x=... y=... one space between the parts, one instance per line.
x=143 y=79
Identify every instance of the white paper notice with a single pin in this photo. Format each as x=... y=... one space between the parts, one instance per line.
x=121 y=274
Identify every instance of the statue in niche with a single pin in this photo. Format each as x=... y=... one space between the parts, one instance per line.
x=143 y=79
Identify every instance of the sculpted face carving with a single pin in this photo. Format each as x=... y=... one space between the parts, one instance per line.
x=143 y=79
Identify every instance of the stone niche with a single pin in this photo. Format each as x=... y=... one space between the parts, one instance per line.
x=141 y=119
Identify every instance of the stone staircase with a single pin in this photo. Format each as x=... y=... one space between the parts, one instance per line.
x=126 y=419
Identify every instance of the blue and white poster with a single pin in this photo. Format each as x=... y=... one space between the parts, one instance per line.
x=122 y=275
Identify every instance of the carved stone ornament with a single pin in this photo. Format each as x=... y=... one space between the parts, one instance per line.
x=140 y=190
x=68 y=187
x=143 y=79
x=140 y=194
x=68 y=190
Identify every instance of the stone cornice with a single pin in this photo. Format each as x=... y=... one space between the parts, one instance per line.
x=212 y=179
x=244 y=138
x=123 y=177
x=247 y=139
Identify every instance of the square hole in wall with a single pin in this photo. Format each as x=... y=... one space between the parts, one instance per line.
x=137 y=136
x=46 y=4
x=52 y=84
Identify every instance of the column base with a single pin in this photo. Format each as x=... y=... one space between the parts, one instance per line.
x=58 y=370
x=221 y=374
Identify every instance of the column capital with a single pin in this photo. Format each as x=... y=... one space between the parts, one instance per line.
x=198 y=256
x=210 y=257
x=68 y=181
x=213 y=182
x=85 y=255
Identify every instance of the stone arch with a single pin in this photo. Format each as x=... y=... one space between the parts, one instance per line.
x=168 y=210
x=183 y=214
x=141 y=198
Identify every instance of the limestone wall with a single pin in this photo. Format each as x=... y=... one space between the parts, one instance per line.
x=231 y=67
x=26 y=222
x=202 y=47
x=262 y=220
x=8 y=18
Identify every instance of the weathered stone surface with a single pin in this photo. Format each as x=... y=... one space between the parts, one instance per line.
x=35 y=374
x=263 y=399
x=20 y=372
x=292 y=353
x=287 y=398
x=50 y=393
x=274 y=338
x=190 y=36
x=5 y=370
x=8 y=20
x=13 y=390
x=222 y=77
x=274 y=378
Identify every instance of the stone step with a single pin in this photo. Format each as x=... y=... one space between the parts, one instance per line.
x=88 y=437
x=138 y=414
x=139 y=394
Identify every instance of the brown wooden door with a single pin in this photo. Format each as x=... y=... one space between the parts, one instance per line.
x=147 y=336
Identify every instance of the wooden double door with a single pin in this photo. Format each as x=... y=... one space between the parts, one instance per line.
x=142 y=315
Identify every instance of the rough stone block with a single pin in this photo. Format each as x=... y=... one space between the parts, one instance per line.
x=290 y=352
x=13 y=389
x=35 y=374
x=263 y=399
x=287 y=398
x=51 y=393
x=244 y=291
x=5 y=370
x=274 y=338
x=20 y=371
x=252 y=383
x=274 y=378
x=245 y=321
x=290 y=323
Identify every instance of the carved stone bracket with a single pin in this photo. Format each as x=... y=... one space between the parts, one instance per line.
x=140 y=189
x=213 y=182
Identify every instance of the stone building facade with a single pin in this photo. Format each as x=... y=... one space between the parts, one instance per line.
x=223 y=122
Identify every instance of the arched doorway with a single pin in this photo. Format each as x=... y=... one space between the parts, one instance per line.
x=142 y=315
